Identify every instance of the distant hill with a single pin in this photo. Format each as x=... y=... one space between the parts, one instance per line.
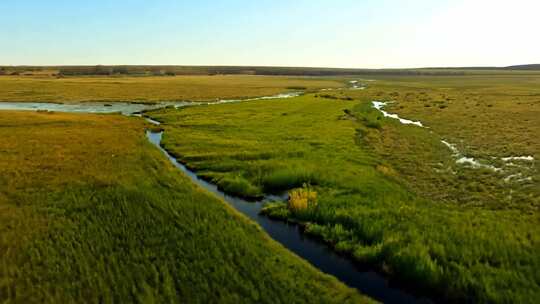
x=531 y=67
x=534 y=67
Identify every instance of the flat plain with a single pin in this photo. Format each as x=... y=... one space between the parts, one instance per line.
x=150 y=89
x=448 y=209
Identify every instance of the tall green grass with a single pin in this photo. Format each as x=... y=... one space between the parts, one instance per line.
x=239 y=186
x=287 y=178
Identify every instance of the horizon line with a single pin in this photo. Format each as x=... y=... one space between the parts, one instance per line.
x=269 y=66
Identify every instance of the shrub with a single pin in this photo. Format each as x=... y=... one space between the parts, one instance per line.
x=302 y=199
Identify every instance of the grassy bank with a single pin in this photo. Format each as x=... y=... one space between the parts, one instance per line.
x=151 y=89
x=370 y=203
x=91 y=212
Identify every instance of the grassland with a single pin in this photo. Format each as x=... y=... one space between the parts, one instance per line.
x=389 y=195
x=151 y=89
x=91 y=212
x=486 y=118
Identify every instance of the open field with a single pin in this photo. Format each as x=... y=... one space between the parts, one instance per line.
x=151 y=89
x=91 y=212
x=457 y=221
x=390 y=195
x=485 y=118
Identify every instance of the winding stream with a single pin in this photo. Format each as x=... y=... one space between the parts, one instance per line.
x=379 y=106
x=315 y=252
x=471 y=162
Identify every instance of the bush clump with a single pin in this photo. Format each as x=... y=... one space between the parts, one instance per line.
x=302 y=199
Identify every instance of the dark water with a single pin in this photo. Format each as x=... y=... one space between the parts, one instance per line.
x=318 y=254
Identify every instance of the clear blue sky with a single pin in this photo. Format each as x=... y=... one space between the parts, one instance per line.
x=339 y=33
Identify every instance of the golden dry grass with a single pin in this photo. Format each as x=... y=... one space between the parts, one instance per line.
x=302 y=199
x=151 y=89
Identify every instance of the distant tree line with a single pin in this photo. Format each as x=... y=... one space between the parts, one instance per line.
x=170 y=70
x=115 y=70
x=233 y=70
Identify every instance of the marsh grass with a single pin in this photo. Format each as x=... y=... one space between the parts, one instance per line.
x=90 y=212
x=379 y=198
x=479 y=131
x=287 y=178
x=239 y=186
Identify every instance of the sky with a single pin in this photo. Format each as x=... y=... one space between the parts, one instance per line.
x=318 y=33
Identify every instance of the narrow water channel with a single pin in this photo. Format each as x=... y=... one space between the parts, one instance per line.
x=318 y=254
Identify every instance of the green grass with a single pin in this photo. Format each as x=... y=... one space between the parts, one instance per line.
x=237 y=185
x=92 y=212
x=288 y=178
x=383 y=196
